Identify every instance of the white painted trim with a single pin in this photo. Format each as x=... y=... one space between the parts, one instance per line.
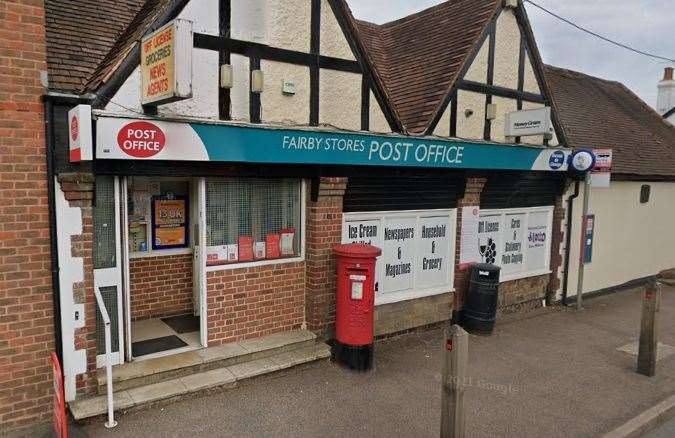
x=126 y=274
x=232 y=266
x=160 y=253
x=203 y=314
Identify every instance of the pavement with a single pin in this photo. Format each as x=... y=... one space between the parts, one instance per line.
x=666 y=430
x=554 y=372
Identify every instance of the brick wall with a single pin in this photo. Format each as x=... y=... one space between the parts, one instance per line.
x=161 y=286
x=324 y=231
x=26 y=307
x=523 y=293
x=253 y=302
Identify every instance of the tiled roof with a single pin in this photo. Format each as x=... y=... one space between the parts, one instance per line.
x=597 y=113
x=418 y=58
x=80 y=34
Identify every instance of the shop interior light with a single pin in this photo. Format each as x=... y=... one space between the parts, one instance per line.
x=226 y=76
x=257 y=81
x=491 y=111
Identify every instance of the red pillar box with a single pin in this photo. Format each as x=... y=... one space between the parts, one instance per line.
x=355 y=304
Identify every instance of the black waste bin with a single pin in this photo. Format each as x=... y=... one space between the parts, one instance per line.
x=480 y=306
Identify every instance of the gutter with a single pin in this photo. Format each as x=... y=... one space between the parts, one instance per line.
x=53 y=245
x=568 y=240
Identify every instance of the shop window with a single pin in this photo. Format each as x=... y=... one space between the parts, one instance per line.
x=250 y=220
x=645 y=191
x=158 y=211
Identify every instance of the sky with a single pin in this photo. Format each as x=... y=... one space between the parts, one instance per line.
x=648 y=25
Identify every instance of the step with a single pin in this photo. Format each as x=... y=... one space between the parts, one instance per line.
x=156 y=370
x=225 y=377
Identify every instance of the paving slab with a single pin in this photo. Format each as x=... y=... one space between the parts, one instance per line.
x=662 y=350
x=209 y=379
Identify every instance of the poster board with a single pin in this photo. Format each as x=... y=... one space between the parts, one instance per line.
x=518 y=240
x=169 y=222
x=418 y=251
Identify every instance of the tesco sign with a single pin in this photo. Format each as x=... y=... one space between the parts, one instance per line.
x=141 y=139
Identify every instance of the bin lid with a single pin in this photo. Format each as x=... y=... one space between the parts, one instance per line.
x=357 y=250
x=485 y=267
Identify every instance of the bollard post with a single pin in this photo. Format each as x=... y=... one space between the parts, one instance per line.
x=454 y=373
x=648 y=337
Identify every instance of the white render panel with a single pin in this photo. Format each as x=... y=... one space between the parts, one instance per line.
x=478 y=70
x=443 y=126
x=530 y=83
x=281 y=108
x=203 y=14
x=340 y=99
x=127 y=100
x=636 y=246
x=289 y=24
x=470 y=127
x=249 y=20
x=378 y=122
x=239 y=94
x=504 y=105
x=71 y=271
x=205 y=78
x=507 y=50
x=333 y=41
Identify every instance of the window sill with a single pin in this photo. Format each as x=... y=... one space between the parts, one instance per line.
x=159 y=253
x=254 y=264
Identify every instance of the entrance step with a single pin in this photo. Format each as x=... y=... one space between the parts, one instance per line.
x=223 y=377
x=145 y=372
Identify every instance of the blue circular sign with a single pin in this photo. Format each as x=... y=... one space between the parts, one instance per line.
x=557 y=160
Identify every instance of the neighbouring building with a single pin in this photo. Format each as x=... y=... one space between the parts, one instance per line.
x=665 y=99
x=200 y=200
x=633 y=217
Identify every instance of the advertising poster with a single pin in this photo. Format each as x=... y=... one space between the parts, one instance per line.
x=287 y=242
x=169 y=222
x=512 y=254
x=398 y=254
x=432 y=252
x=468 y=250
x=246 y=249
x=273 y=246
x=537 y=241
x=368 y=232
x=489 y=238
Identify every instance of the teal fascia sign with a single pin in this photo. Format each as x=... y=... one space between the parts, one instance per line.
x=129 y=139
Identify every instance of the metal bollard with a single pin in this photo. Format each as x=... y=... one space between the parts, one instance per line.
x=647 y=351
x=454 y=373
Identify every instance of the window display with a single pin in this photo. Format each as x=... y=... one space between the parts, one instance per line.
x=158 y=214
x=252 y=219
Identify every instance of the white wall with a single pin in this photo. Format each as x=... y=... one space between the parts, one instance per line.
x=282 y=108
x=378 y=123
x=340 y=99
x=632 y=240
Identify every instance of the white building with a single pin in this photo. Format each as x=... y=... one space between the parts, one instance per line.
x=665 y=100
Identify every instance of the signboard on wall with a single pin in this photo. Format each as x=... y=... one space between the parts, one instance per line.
x=166 y=63
x=418 y=251
x=517 y=240
x=80 y=138
x=140 y=139
x=169 y=222
x=601 y=174
x=528 y=122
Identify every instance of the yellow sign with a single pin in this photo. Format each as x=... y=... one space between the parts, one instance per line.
x=169 y=223
x=166 y=63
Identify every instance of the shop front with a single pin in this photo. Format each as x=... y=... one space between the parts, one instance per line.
x=209 y=233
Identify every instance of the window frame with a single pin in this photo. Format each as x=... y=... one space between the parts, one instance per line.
x=279 y=261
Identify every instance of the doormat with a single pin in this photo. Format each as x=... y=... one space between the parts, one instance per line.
x=141 y=348
x=183 y=323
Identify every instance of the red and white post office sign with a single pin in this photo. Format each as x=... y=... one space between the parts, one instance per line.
x=80 y=136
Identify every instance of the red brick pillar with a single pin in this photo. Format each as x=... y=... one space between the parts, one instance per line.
x=472 y=192
x=26 y=296
x=78 y=189
x=324 y=231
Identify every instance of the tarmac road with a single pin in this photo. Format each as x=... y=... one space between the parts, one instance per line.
x=550 y=373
